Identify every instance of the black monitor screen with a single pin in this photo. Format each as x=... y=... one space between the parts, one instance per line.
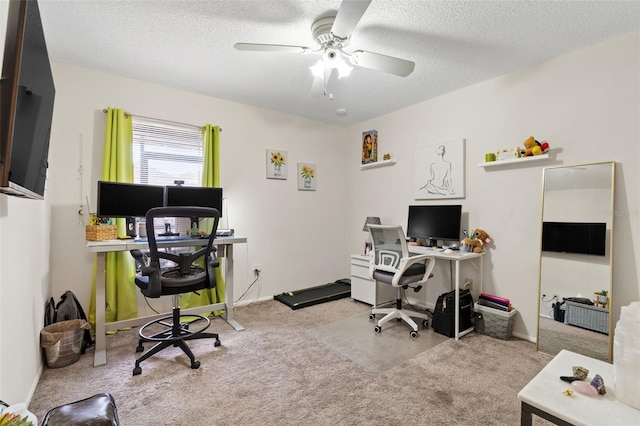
x=117 y=199
x=198 y=196
x=434 y=222
x=573 y=237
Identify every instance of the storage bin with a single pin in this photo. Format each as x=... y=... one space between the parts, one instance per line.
x=62 y=342
x=494 y=322
x=101 y=232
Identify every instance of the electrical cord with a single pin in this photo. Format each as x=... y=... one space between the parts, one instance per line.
x=247 y=290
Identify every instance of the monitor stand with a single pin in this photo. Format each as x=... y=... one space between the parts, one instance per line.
x=432 y=242
x=131 y=227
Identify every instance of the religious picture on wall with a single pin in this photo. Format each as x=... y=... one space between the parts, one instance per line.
x=276 y=164
x=439 y=170
x=369 y=146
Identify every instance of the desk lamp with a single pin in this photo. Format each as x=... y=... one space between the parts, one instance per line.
x=371 y=220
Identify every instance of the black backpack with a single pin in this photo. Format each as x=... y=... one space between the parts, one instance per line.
x=68 y=308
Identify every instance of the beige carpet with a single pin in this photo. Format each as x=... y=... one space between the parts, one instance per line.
x=353 y=337
x=280 y=371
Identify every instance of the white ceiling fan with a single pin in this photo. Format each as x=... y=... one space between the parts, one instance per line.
x=332 y=34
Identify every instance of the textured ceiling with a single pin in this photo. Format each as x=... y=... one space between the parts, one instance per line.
x=188 y=44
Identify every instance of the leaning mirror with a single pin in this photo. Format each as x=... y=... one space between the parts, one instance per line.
x=576 y=260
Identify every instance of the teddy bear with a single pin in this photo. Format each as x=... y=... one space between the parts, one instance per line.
x=484 y=239
x=533 y=147
x=473 y=244
x=477 y=240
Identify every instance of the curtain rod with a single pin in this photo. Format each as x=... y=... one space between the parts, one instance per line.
x=161 y=120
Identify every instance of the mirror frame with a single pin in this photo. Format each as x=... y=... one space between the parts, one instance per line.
x=608 y=248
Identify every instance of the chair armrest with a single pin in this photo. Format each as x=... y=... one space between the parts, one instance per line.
x=406 y=262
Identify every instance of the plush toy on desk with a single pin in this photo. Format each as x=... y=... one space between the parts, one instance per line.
x=533 y=147
x=477 y=240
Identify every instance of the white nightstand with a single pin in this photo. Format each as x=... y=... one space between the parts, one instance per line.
x=363 y=289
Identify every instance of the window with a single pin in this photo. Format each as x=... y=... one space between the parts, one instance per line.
x=164 y=152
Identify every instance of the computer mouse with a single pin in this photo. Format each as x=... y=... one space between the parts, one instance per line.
x=447 y=251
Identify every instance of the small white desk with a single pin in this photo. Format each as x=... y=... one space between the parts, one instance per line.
x=543 y=396
x=225 y=249
x=457 y=257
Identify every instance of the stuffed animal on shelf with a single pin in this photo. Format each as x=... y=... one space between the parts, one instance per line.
x=477 y=240
x=533 y=147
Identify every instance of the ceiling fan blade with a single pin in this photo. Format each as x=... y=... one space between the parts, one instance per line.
x=378 y=62
x=348 y=17
x=257 y=47
x=317 y=87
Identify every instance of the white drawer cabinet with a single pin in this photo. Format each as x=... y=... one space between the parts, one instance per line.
x=363 y=288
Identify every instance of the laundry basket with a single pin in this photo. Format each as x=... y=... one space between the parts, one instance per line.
x=62 y=342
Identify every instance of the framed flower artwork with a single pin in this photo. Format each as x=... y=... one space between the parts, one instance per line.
x=306 y=177
x=276 y=164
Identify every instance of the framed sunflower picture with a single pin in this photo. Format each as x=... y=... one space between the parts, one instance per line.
x=277 y=164
x=306 y=177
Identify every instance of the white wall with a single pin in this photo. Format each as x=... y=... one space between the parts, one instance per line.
x=24 y=285
x=585 y=104
x=296 y=236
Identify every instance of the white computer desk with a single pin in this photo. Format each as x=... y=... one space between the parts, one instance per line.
x=225 y=249
x=457 y=256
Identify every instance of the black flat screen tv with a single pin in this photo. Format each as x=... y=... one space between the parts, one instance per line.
x=574 y=237
x=194 y=196
x=118 y=199
x=27 y=94
x=434 y=222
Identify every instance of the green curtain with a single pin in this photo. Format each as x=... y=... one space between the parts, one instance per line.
x=210 y=178
x=117 y=166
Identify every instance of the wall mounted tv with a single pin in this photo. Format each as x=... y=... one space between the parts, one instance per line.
x=26 y=103
x=574 y=237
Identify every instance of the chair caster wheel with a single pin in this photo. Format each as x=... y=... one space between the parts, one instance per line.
x=425 y=323
x=413 y=334
x=137 y=371
x=217 y=343
x=378 y=329
x=372 y=317
x=140 y=348
x=195 y=365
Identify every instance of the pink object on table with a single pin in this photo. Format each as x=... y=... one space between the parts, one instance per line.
x=584 y=388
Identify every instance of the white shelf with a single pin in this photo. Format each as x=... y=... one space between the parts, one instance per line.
x=499 y=163
x=382 y=163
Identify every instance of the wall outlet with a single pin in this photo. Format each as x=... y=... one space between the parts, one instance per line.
x=468 y=284
x=257 y=269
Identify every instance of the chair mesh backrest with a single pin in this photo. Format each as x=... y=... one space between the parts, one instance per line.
x=194 y=269
x=389 y=246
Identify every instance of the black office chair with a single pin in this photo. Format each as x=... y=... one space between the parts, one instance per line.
x=173 y=273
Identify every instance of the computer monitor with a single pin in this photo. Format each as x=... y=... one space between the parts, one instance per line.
x=434 y=223
x=117 y=199
x=198 y=196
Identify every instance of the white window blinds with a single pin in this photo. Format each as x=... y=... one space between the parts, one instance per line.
x=164 y=152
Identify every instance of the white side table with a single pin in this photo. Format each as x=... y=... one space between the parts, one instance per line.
x=543 y=396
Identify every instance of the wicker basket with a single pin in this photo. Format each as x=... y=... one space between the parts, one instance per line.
x=494 y=322
x=101 y=232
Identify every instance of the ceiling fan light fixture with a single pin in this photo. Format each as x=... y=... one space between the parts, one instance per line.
x=318 y=69
x=344 y=69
